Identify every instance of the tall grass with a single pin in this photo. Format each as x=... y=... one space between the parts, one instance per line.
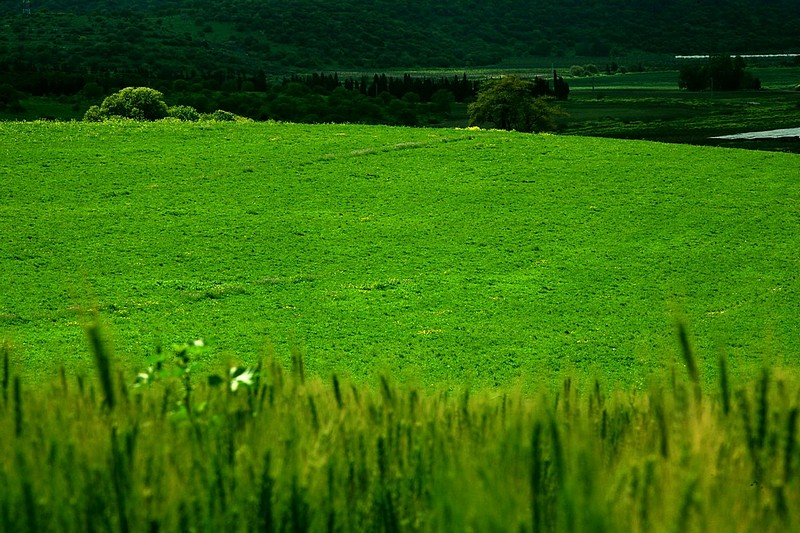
x=293 y=452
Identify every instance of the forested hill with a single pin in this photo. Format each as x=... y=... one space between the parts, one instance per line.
x=273 y=35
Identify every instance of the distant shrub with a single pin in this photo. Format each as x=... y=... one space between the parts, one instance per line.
x=94 y=114
x=591 y=70
x=224 y=116
x=577 y=71
x=137 y=103
x=184 y=112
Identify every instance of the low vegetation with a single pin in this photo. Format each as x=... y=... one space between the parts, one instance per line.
x=146 y=104
x=272 y=449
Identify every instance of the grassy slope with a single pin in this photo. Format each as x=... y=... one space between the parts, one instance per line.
x=435 y=254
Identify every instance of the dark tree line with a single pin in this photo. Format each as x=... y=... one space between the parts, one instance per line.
x=718 y=73
x=462 y=88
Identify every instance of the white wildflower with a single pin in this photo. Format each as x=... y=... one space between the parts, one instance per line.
x=241 y=376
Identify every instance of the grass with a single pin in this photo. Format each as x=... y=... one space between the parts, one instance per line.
x=435 y=255
x=402 y=330
x=294 y=452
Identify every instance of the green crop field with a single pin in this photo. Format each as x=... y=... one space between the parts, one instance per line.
x=402 y=330
x=472 y=257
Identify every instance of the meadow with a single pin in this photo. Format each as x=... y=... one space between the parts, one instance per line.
x=243 y=327
x=477 y=257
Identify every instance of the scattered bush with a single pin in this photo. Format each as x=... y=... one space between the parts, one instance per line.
x=94 y=114
x=138 y=103
x=577 y=71
x=183 y=112
x=224 y=116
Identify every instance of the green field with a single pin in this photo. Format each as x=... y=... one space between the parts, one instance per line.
x=477 y=258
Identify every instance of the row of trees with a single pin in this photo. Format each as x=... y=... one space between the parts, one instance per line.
x=362 y=34
x=296 y=104
x=718 y=73
x=509 y=102
x=327 y=97
x=225 y=47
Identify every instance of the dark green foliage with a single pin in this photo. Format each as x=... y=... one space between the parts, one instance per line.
x=18 y=416
x=689 y=358
x=102 y=358
x=789 y=452
x=4 y=348
x=511 y=103
x=9 y=97
x=718 y=73
x=724 y=384
x=178 y=39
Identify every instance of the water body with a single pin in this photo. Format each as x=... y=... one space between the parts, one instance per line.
x=740 y=55
x=769 y=134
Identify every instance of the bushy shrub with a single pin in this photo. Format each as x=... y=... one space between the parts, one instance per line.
x=577 y=71
x=137 y=103
x=94 y=114
x=183 y=112
x=224 y=116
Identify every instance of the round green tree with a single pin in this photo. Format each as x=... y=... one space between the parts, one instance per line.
x=511 y=103
x=138 y=103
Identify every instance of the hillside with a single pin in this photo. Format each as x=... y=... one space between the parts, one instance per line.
x=477 y=256
x=181 y=39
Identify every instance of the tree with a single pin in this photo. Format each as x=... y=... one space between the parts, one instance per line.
x=138 y=103
x=510 y=103
x=719 y=73
x=9 y=98
x=443 y=100
x=693 y=77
